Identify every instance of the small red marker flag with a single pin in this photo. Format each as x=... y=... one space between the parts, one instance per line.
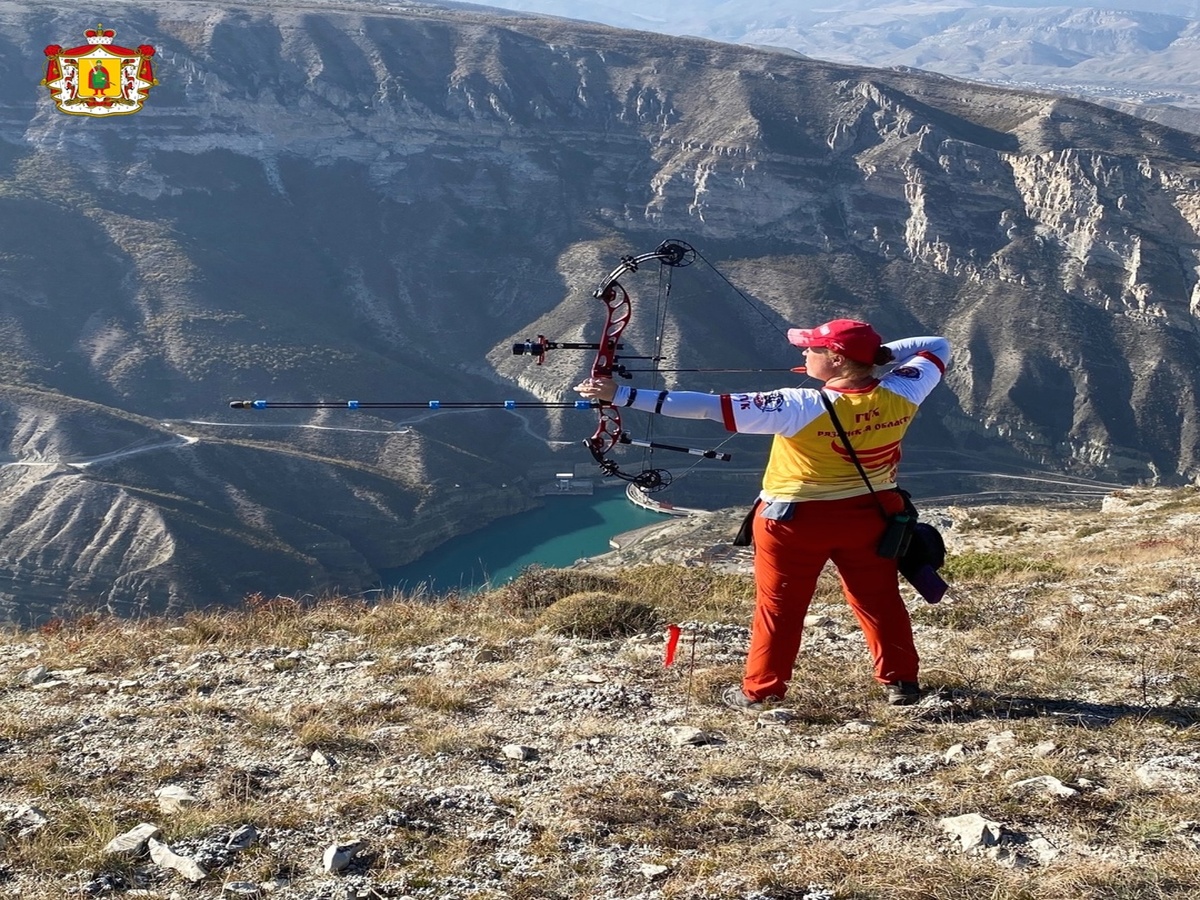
x=673 y=632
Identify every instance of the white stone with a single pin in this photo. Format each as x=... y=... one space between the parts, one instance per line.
x=134 y=840
x=337 y=857
x=1002 y=742
x=1175 y=773
x=28 y=821
x=1156 y=622
x=172 y=798
x=1046 y=852
x=319 y=758
x=517 y=751
x=683 y=735
x=169 y=859
x=1044 y=784
x=973 y=830
x=955 y=753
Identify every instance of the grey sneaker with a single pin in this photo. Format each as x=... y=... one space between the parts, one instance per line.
x=902 y=693
x=733 y=697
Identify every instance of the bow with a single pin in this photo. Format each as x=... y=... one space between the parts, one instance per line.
x=619 y=309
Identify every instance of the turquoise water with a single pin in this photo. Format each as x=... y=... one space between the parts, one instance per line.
x=555 y=535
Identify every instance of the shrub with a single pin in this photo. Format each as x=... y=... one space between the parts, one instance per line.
x=538 y=588
x=988 y=566
x=599 y=614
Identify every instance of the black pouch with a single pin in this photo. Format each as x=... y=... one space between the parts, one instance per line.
x=896 y=537
x=927 y=548
x=919 y=565
x=745 y=533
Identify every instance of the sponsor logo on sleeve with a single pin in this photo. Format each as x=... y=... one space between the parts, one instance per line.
x=772 y=402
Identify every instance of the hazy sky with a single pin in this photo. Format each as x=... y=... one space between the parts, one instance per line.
x=725 y=19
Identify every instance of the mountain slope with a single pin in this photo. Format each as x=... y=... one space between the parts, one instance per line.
x=355 y=201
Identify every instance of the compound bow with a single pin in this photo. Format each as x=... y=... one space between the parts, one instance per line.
x=609 y=431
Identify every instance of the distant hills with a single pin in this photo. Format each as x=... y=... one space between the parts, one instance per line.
x=333 y=201
x=1136 y=57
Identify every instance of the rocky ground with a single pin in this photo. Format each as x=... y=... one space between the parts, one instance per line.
x=471 y=749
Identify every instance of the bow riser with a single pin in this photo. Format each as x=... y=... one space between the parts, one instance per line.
x=616 y=301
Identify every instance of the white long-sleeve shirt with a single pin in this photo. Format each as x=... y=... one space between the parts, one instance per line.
x=808 y=460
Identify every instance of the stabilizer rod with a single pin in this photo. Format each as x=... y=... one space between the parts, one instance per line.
x=417 y=404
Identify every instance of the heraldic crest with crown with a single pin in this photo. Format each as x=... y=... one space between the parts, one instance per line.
x=99 y=78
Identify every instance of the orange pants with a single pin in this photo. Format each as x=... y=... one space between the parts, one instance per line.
x=788 y=557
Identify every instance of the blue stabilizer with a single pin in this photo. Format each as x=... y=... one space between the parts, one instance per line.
x=435 y=404
x=352 y=404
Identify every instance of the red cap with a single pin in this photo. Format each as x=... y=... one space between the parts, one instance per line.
x=854 y=340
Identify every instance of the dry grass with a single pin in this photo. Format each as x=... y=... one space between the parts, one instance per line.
x=1079 y=638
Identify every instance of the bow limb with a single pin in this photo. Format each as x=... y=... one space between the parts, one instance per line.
x=670 y=253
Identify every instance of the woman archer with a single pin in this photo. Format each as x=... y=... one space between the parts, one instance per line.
x=814 y=505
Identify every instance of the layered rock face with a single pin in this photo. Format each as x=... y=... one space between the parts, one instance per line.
x=363 y=201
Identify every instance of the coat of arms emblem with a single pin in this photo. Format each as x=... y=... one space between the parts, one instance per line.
x=99 y=78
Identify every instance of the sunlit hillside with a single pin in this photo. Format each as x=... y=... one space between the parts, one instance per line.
x=530 y=742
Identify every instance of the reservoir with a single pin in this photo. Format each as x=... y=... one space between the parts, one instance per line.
x=555 y=535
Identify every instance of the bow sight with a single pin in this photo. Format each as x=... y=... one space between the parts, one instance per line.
x=540 y=346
